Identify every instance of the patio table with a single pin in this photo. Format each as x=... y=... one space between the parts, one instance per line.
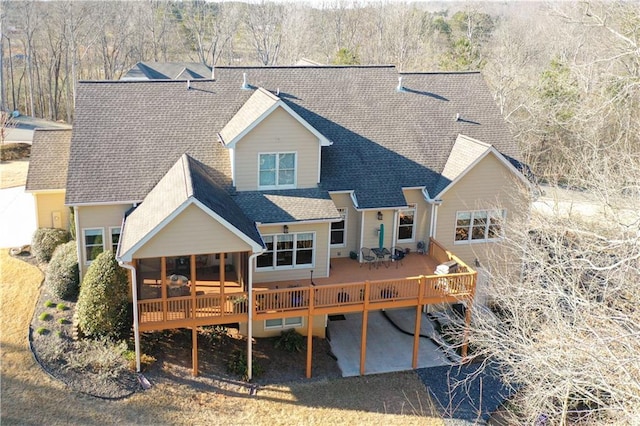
x=381 y=253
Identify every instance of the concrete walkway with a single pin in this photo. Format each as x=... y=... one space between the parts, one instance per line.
x=388 y=349
x=17 y=217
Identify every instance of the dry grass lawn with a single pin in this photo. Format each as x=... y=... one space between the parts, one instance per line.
x=29 y=396
x=13 y=173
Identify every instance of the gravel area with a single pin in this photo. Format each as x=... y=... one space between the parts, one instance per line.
x=99 y=370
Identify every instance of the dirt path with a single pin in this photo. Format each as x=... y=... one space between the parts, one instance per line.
x=29 y=396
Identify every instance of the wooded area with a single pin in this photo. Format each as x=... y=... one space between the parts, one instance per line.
x=566 y=77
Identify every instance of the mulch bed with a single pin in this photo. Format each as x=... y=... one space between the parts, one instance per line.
x=172 y=351
x=14 y=151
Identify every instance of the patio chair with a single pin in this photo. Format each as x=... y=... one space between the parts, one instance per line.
x=397 y=254
x=367 y=256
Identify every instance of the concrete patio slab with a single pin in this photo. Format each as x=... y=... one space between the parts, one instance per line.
x=388 y=349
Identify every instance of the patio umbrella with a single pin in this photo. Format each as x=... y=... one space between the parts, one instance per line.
x=381 y=240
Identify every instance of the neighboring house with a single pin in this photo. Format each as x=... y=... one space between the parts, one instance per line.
x=244 y=198
x=168 y=71
x=47 y=177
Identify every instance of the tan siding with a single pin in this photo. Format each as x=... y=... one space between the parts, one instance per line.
x=46 y=204
x=320 y=267
x=103 y=217
x=319 y=328
x=422 y=219
x=353 y=225
x=372 y=225
x=279 y=132
x=488 y=185
x=192 y=232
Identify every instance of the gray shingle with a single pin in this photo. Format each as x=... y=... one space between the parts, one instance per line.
x=287 y=206
x=49 y=160
x=128 y=134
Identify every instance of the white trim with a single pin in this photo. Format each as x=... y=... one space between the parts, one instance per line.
x=129 y=254
x=111 y=228
x=294 y=185
x=344 y=229
x=35 y=205
x=361 y=236
x=79 y=244
x=323 y=140
x=299 y=222
x=484 y=240
x=103 y=203
x=232 y=158
x=85 y=261
x=414 y=207
x=45 y=191
x=282 y=325
x=293 y=265
x=134 y=296
x=500 y=158
x=319 y=160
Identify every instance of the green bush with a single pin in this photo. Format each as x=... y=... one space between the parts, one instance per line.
x=49 y=304
x=44 y=316
x=237 y=364
x=63 y=277
x=290 y=340
x=103 y=304
x=45 y=241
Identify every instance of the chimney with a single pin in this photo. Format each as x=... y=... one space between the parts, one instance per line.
x=399 y=88
x=245 y=86
x=213 y=72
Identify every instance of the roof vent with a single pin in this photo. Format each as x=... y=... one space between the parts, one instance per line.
x=458 y=116
x=400 y=88
x=278 y=91
x=188 y=84
x=245 y=86
x=213 y=72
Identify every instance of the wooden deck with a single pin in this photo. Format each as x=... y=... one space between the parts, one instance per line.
x=352 y=287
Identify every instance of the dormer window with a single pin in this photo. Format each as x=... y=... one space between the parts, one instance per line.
x=277 y=170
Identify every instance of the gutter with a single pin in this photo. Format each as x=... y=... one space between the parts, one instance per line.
x=250 y=314
x=134 y=294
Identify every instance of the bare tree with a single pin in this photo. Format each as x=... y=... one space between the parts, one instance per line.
x=264 y=24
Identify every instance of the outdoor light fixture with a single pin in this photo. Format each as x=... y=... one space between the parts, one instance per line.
x=285 y=229
x=379 y=215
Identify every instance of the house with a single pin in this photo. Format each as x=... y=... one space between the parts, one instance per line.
x=245 y=198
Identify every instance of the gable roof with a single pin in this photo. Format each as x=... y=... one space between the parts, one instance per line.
x=464 y=155
x=253 y=111
x=49 y=160
x=167 y=71
x=187 y=182
x=127 y=134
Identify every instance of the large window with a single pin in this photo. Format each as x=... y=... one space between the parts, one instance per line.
x=406 y=225
x=283 y=322
x=93 y=243
x=479 y=225
x=277 y=170
x=287 y=251
x=339 y=230
x=115 y=238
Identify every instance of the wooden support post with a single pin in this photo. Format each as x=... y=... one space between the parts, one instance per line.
x=416 y=330
x=194 y=354
x=365 y=319
x=194 y=279
x=163 y=286
x=310 y=333
x=222 y=278
x=465 y=340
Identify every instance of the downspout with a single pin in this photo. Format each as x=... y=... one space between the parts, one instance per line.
x=134 y=294
x=79 y=238
x=250 y=313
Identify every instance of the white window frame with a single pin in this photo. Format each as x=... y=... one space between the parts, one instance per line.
x=283 y=323
x=84 y=243
x=274 y=265
x=412 y=207
x=344 y=212
x=489 y=213
x=277 y=170
x=111 y=243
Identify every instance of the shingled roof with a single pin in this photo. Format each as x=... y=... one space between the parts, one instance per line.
x=49 y=160
x=167 y=71
x=128 y=134
x=187 y=181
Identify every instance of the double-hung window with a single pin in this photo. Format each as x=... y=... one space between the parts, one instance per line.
x=287 y=251
x=339 y=230
x=479 y=225
x=93 y=243
x=407 y=224
x=115 y=238
x=277 y=170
